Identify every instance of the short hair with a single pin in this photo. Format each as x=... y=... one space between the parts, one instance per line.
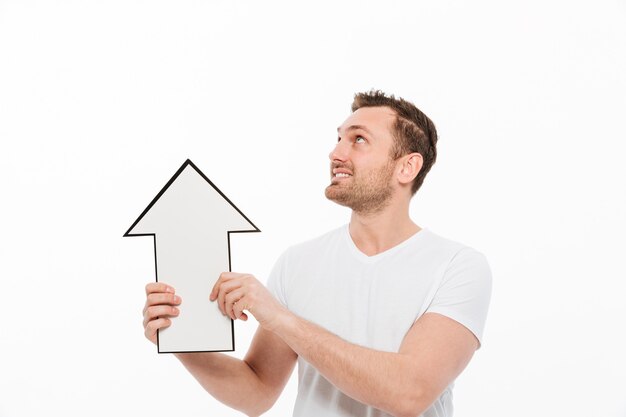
x=413 y=131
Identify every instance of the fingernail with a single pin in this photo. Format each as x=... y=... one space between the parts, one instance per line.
x=169 y=289
x=176 y=299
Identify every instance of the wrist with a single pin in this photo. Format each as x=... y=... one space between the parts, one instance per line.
x=283 y=321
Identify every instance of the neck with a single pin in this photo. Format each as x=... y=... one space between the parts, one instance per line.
x=374 y=233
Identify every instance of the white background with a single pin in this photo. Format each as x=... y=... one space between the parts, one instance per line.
x=101 y=102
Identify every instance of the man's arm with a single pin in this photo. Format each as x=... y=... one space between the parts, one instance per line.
x=405 y=383
x=251 y=385
x=433 y=353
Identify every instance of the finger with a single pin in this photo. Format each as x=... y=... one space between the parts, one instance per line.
x=238 y=307
x=239 y=314
x=224 y=290
x=159 y=311
x=153 y=287
x=224 y=277
x=154 y=325
x=230 y=301
x=162 y=298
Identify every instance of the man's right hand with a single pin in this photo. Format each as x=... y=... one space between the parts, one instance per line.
x=251 y=385
x=160 y=306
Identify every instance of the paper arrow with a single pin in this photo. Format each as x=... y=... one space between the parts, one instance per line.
x=191 y=221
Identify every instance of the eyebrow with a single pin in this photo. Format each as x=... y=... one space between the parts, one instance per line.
x=356 y=127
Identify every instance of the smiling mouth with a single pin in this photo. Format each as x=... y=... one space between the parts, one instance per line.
x=338 y=177
x=339 y=172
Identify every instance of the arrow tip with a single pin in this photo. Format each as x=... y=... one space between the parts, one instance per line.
x=188 y=162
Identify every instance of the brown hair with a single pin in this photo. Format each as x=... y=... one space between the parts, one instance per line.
x=413 y=131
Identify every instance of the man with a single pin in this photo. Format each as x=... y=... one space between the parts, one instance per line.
x=381 y=315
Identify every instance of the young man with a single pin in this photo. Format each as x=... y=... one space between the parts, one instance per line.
x=381 y=315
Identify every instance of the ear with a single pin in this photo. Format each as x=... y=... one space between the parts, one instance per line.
x=410 y=166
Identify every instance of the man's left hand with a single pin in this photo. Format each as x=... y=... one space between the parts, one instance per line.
x=236 y=292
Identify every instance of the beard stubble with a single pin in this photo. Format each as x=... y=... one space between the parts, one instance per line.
x=363 y=193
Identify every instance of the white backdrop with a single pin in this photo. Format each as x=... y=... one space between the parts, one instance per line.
x=101 y=102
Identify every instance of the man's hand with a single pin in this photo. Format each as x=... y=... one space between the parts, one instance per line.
x=236 y=292
x=160 y=305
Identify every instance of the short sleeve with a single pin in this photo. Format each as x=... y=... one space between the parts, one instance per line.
x=465 y=291
x=276 y=280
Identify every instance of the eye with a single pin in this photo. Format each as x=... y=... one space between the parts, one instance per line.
x=359 y=139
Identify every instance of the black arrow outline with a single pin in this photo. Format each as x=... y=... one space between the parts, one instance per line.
x=228 y=232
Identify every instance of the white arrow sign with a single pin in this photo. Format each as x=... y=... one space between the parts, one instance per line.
x=191 y=221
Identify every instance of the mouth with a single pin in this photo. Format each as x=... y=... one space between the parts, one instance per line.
x=339 y=174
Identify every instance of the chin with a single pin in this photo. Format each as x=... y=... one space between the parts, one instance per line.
x=335 y=197
x=332 y=192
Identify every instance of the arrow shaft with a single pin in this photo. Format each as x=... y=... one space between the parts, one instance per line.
x=189 y=263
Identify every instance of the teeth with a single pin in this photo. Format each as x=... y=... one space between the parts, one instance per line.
x=342 y=175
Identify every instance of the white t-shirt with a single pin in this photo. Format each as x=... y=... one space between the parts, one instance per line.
x=372 y=301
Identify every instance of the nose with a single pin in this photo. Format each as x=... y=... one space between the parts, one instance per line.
x=340 y=153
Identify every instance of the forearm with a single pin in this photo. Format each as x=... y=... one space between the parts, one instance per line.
x=229 y=380
x=384 y=380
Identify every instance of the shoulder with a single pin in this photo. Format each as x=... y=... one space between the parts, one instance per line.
x=440 y=242
x=442 y=251
x=457 y=260
x=464 y=264
x=321 y=243
x=454 y=249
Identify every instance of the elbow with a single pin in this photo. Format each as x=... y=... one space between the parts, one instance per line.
x=412 y=404
x=258 y=409
x=252 y=413
x=262 y=405
x=408 y=409
x=256 y=412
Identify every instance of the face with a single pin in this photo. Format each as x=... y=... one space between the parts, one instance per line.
x=360 y=165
